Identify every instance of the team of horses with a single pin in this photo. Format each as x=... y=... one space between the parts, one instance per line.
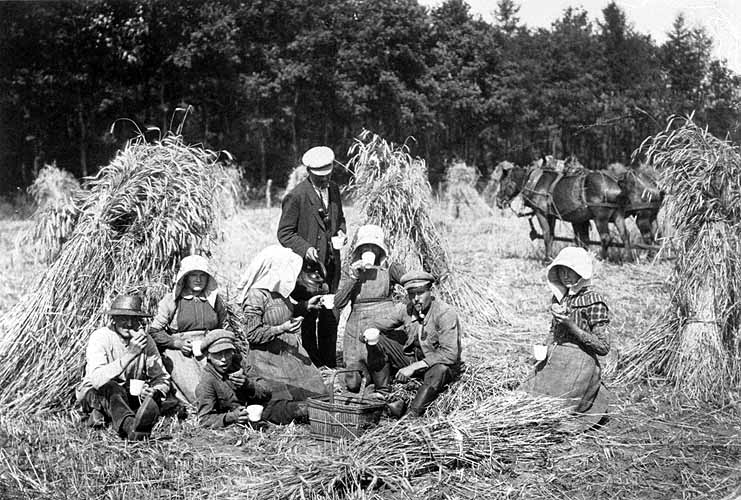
x=578 y=195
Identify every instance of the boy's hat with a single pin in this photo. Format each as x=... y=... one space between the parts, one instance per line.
x=218 y=340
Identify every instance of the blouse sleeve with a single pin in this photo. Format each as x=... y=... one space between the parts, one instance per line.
x=222 y=314
x=160 y=323
x=597 y=338
x=344 y=292
x=255 y=331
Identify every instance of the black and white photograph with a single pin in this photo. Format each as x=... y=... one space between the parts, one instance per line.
x=370 y=249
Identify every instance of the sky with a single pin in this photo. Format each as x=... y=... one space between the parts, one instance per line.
x=720 y=18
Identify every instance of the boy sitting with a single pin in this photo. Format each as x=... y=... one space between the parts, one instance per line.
x=225 y=389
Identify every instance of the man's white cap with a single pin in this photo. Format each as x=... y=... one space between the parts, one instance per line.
x=319 y=160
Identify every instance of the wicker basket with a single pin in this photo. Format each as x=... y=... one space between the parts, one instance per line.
x=342 y=417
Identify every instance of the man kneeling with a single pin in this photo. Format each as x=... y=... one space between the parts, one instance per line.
x=431 y=349
x=123 y=373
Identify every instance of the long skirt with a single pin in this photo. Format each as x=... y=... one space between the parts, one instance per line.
x=285 y=367
x=570 y=373
x=185 y=371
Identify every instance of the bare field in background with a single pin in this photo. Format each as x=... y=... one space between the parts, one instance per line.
x=649 y=450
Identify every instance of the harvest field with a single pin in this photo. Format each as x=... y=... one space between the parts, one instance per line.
x=651 y=448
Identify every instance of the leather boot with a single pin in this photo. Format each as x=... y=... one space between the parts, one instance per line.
x=425 y=395
x=144 y=420
x=397 y=408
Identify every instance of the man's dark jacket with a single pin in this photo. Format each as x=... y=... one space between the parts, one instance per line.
x=301 y=225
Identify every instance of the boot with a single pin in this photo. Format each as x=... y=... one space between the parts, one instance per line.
x=301 y=413
x=396 y=408
x=146 y=417
x=425 y=395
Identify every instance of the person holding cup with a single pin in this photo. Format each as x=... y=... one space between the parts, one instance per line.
x=274 y=308
x=227 y=396
x=578 y=336
x=125 y=381
x=367 y=284
x=312 y=224
x=419 y=339
x=183 y=317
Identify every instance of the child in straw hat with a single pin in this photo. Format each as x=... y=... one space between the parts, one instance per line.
x=182 y=320
x=367 y=283
x=577 y=337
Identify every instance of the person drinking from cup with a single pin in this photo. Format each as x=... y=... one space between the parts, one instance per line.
x=125 y=380
x=367 y=283
x=429 y=346
x=273 y=315
x=183 y=317
x=312 y=224
x=570 y=368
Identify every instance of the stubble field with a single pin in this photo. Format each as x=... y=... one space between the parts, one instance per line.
x=651 y=448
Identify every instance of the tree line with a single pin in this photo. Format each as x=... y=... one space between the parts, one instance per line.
x=267 y=79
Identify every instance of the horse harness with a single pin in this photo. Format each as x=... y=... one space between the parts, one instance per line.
x=535 y=175
x=646 y=193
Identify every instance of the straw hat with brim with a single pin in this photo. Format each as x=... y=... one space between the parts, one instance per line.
x=218 y=340
x=127 y=305
x=319 y=160
x=417 y=279
x=371 y=234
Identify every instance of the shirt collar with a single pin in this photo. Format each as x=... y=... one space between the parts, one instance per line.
x=202 y=298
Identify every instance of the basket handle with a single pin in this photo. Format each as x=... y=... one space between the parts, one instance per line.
x=347 y=370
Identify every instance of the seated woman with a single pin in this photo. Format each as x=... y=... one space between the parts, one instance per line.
x=578 y=335
x=272 y=325
x=367 y=283
x=184 y=317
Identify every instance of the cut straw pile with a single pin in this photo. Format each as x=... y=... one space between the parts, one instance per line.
x=154 y=204
x=696 y=345
x=298 y=174
x=54 y=190
x=498 y=431
x=391 y=189
x=460 y=190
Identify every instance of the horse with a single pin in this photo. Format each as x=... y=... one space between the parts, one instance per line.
x=572 y=197
x=644 y=198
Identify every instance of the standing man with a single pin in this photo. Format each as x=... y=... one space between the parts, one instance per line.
x=311 y=215
x=125 y=380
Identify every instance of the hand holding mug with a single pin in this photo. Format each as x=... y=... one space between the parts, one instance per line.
x=147 y=391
